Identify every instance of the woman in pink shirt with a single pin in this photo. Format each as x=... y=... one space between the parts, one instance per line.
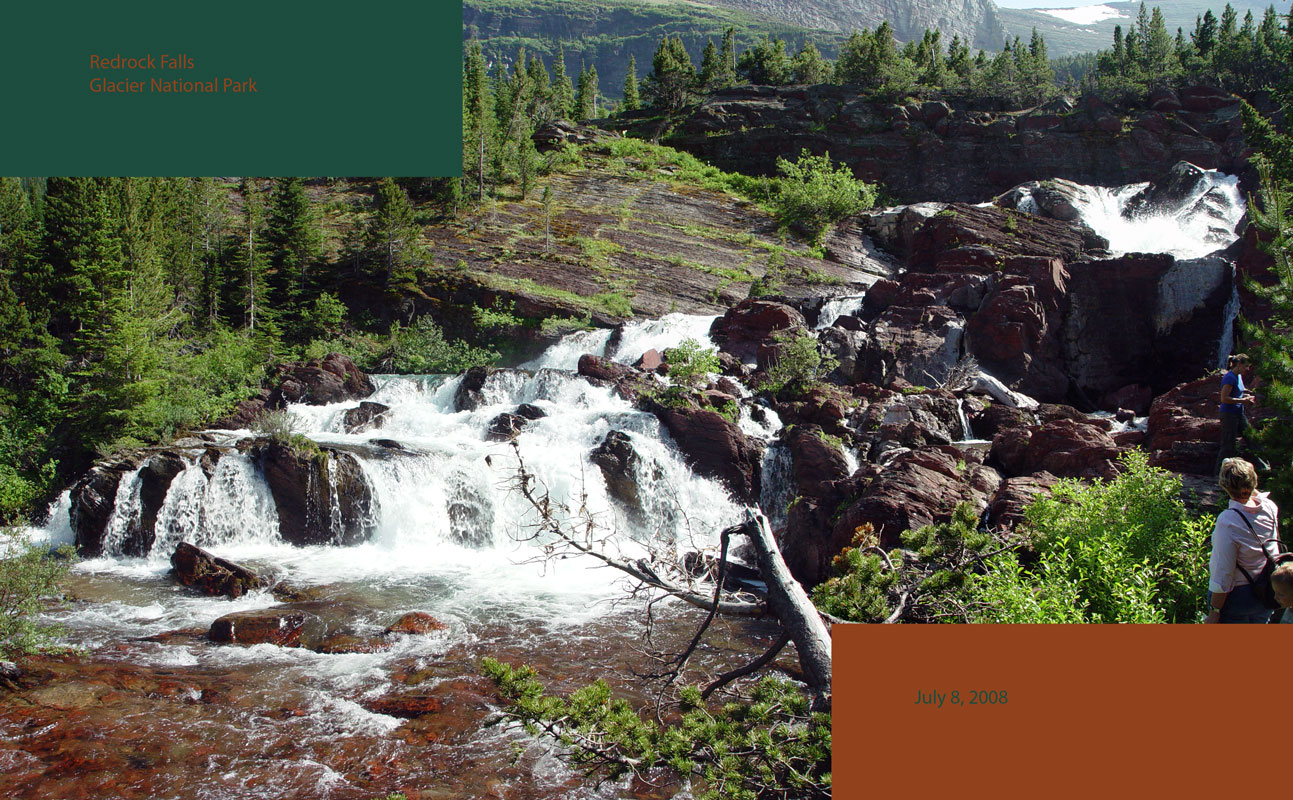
x=1244 y=532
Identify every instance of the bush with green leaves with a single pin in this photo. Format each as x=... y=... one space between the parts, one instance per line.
x=29 y=575
x=689 y=362
x=421 y=348
x=815 y=193
x=1125 y=550
x=797 y=365
x=765 y=746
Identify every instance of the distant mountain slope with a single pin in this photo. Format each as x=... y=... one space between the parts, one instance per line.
x=604 y=33
x=1085 y=29
x=975 y=21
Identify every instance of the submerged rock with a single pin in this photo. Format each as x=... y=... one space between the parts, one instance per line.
x=416 y=622
x=282 y=625
x=619 y=464
x=505 y=427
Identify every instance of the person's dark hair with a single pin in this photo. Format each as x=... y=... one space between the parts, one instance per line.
x=1237 y=360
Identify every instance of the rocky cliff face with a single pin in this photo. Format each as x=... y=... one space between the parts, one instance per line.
x=948 y=151
x=975 y=21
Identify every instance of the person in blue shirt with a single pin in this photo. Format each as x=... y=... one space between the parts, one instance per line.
x=1234 y=398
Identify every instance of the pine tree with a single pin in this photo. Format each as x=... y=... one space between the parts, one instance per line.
x=392 y=233
x=479 y=119
x=540 y=109
x=252 y=263
x=631 y=98
x=710 y=66
x=672 y=80
x=563 y=91
x=809 y=66
x=294 y=242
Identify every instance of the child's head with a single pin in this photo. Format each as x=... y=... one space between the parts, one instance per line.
x=1238 y=478
x=1282 y=584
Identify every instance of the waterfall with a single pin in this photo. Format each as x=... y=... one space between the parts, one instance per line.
x=1201 y=222
x=836 y=307
x=1227 y=341
x=634 y=339
x=967 y=433
x=778 y=482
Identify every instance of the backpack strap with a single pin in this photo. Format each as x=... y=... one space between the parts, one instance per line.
x=1262 y=543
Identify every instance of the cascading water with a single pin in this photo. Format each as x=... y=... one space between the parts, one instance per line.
x=1194 y=224
x=634 y=339
x=836 y=307
x=449 y=537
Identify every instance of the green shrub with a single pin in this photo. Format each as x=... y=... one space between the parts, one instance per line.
x=421 y=348
x=689 y=363
x=29 y=575
x=815 y=193
x=798 y=365
x=765 y=745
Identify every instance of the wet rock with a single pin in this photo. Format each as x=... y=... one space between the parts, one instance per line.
x=344 y=643
x=389 y=444
x=10 y=671
x=714 y=447
x=93 y=498
x=752 y=323
x=155 y=478
x=331 y=379
x=530 y=411
x=468 y=395
x=308 y=486
x=365 y=416
x=416 y=622
x=212 y=575
x=505 y=427
x=282 y=625
x=1135 y=398
x=997 y=417
x=619 y=464
x=1015 y=333
x=406 y=705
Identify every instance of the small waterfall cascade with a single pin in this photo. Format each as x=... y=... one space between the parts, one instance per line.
x=1189 y=225
x=634 y=339
x=836 y=307
x=1227 y=341
x=440 y=479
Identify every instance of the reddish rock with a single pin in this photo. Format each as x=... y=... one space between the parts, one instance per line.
x=93 y=498
x=212 y=575
x=416 y=622
x=331 y=379
x=343 y=643
x=650 y=361
x=714 y=447
x=282 y=625
x=1072 y=449
x=918 y=488
x=1134 y=397
x=751 y=323
x=1006 y=508
x=406 y=705
x=1184 y=427
x=628 y=381
x=305 y=485
x=1131 y=438
x=997 y=417
x=1206 y=98
x=919 y=345
x=1010 y=449
x=245 y=414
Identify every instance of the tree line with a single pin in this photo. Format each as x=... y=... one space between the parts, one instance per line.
x=1239 y=56
x=132 y=309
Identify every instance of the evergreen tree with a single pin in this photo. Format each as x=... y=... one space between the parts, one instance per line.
x=631 y=98
x=586 y=95
x=540 y=108
x=392 y=233
x=710 y=67
x=252 y=263
x=810 y=67
x=294 y=242
x=767 y=63
x=672 y=81
x=563 y=91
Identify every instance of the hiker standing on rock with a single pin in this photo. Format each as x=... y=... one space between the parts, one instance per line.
x=1234 y=397
x=1237 y=553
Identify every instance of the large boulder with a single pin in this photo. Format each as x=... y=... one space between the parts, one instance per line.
x=918 y=345
x=1064 y=447
x=821 y=475
x=212 y=575
x=308 y=486
x=93 y=499
x=155 y=478
x=1014 y=495
x=469 y=395
x=331 y=379
x=714 y=446
x=751 y=323
x=284 y=626
x=1184 y=427
x=619 y=464
x=365 y=416
x=919 y=488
